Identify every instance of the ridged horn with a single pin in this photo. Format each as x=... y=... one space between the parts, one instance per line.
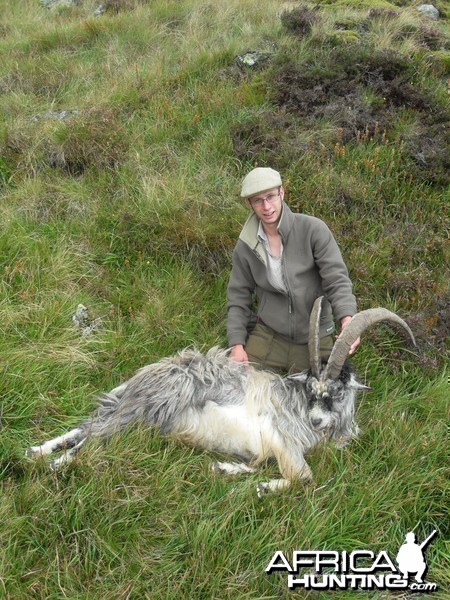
x=359 y=323
x=314 y=339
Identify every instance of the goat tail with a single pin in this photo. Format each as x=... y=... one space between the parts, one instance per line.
x=108 y=418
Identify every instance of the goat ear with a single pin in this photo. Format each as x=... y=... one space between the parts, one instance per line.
x=300 y=377
x=356 y=385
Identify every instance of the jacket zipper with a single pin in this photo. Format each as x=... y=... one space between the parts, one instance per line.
x=289 y=295
x=290 y=304
x=258 y=256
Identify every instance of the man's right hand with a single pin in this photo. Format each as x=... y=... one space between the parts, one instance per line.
x=239 y=354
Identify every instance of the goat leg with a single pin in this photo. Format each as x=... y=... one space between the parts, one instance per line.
x=292 y=466
x=273 y=485
x=67 y=456
x=292 y=463
x=226 y=468
x=58 y=444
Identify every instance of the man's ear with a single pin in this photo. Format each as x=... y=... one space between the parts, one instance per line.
x=248 y=203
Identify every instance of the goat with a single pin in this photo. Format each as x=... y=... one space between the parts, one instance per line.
x=212 y=402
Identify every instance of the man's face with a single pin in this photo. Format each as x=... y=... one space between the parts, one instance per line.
x=267 y=206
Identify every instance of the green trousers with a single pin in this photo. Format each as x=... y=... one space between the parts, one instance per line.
x=269 y=350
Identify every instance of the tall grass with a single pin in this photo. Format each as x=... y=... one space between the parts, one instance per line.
x=128 y=204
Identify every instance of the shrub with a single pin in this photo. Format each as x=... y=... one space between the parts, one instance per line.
x=97 y=139
x=91 y=139
x=299 y=20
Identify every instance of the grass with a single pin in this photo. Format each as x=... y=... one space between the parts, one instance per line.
x=129 y=206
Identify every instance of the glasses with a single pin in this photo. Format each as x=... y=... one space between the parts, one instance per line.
x=269 y=198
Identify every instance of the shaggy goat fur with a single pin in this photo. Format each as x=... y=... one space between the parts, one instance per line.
x=215 y=403
x=212 y=402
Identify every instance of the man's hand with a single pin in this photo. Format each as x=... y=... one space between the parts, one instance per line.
x=239 y=354
x=344 y=322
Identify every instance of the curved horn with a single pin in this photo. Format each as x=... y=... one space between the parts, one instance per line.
x=359 y=323
x=314 y=340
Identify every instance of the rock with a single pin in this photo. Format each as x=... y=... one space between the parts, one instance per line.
x=252 y=59
x=430 y=11
x=55 y=115
x=99 y=11
x=83 y=321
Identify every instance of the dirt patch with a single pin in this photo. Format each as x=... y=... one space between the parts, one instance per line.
x=357 y=89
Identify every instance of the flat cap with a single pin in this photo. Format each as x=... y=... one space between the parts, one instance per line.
x=259 y=180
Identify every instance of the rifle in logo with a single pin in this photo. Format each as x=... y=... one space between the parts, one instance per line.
x=410 y=556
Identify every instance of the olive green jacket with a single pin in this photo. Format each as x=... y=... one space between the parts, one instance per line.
x=312 y=267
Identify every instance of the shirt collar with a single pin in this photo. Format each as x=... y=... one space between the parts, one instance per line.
x=261 y=234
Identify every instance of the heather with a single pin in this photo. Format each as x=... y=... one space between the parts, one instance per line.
x=123 y=140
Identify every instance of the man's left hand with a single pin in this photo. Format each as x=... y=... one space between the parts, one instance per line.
x=344 y=322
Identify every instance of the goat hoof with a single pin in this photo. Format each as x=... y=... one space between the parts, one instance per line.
x=31 y=452
x=262 y=489
x=227 y=468
x=306 y=475
x=342 y=442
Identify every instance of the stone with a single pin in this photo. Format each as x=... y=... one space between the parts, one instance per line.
x=430 y=11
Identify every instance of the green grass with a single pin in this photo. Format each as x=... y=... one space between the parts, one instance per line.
x=130 y=206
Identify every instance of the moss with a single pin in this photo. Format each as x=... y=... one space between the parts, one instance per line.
x=345 y=36
x=443 y=59
x=359 y=4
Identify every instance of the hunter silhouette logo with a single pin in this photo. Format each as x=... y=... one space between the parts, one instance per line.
x=410 y=556
x=359 y=569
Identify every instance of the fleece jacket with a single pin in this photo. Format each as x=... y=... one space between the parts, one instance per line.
x=312 y=266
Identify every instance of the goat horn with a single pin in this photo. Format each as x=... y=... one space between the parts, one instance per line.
x=313 y=340
x=359 y=323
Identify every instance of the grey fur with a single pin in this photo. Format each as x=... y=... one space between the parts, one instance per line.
x=215 y=403
x=266 y=415
x=160 y=393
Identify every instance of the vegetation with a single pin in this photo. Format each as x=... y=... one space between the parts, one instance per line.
x=123 y=139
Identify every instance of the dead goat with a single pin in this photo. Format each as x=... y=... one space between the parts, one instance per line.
x=211 y=402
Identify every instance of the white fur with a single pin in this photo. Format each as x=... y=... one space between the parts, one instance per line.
x=52 y=445
x=211 y=402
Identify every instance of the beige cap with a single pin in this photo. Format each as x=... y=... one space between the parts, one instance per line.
x=260 y=180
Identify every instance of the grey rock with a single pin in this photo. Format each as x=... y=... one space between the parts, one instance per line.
x=99 y=11
x=252 y=60
x=430 y=11
x=82 y=320
x=55 y=115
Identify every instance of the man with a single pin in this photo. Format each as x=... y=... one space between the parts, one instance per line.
x=288 y=260
x=410 y=558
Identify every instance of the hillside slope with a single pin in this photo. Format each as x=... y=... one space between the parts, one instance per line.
x=124 y=135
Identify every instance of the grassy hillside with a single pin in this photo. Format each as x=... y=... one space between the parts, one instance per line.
x=123 y=140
